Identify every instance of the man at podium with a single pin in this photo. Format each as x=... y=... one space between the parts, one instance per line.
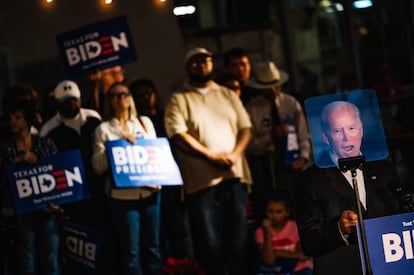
x=326 y=204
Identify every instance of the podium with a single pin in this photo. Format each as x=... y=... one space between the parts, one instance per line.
x=342 y=261
x=390 y=243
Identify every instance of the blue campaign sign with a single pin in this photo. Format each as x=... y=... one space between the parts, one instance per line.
x=147 y=162
x=390 y=242
x=57 y=179
x=292 y=151
x=83 y=248
x=96 y=46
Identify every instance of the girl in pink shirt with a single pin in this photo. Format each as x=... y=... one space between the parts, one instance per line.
x=278 y=240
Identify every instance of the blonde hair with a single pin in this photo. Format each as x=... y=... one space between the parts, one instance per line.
x=109 y=112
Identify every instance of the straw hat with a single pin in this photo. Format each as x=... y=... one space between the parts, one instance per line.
x=267 y=75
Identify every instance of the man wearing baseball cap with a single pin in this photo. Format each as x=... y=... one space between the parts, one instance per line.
x=210 y=129
x=70 y=121
x=72 y=128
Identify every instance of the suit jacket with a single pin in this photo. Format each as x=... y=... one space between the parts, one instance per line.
x=322 y=194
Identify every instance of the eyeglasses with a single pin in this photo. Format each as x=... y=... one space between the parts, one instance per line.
x=197 y=61
x=119 y=95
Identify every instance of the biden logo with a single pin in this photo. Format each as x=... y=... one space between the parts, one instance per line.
x=100 y=46
x=397 y=247
x=141 y=159
x=45 y=179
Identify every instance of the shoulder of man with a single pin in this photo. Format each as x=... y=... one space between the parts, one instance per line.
x=85 y=112
x=49 y=125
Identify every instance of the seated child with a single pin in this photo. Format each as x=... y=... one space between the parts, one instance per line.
x=278 y=240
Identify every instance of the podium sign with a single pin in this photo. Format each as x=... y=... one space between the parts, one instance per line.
x=390 y=242
x=147 y=162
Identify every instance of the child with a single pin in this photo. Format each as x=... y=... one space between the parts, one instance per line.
x=278 y=239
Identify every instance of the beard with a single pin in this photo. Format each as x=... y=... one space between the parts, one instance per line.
x=69 y=112
x=200 y=79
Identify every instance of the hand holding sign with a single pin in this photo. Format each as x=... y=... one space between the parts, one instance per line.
x=53 y=180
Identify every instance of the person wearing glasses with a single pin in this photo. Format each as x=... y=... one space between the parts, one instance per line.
x=134 y=212
x=210 y=129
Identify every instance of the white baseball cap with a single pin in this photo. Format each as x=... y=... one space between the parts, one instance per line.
x=67 y=89
x=196 y=51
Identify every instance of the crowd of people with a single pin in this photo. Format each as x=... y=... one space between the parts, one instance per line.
x=237 y=137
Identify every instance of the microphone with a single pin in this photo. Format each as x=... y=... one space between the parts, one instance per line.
x=406 y=198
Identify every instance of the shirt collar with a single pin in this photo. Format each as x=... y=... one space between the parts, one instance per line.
x=80 y=116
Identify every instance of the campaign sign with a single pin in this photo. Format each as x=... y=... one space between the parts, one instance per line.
x=147 y=162
x=292 y=150
x=59 y=179
x=97 y=46
x=83 y=248
x=390 y=242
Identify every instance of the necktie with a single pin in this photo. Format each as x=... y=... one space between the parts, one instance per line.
x=277 y=139
x=275 y=115
x=275 y=120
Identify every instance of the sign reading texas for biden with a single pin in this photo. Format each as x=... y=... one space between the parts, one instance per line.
x=147 y=162
x=390 y=242
x=58 y=179
x=97 y=46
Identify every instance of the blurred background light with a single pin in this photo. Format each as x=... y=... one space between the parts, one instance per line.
x=184 y=10
x=362 y=4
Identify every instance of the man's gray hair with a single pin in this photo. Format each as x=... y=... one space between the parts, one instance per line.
x=334 y=106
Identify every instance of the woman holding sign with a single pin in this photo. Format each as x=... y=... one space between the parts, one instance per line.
x=135 y=211
x=40 y=230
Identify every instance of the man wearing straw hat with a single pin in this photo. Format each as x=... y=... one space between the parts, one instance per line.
x=280 y=145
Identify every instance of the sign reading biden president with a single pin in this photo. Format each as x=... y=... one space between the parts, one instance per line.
x=390 y=242
x=147 y=162
x=97 y=46
x=57 y=179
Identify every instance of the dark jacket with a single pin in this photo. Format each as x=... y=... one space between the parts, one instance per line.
x=322 y=194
